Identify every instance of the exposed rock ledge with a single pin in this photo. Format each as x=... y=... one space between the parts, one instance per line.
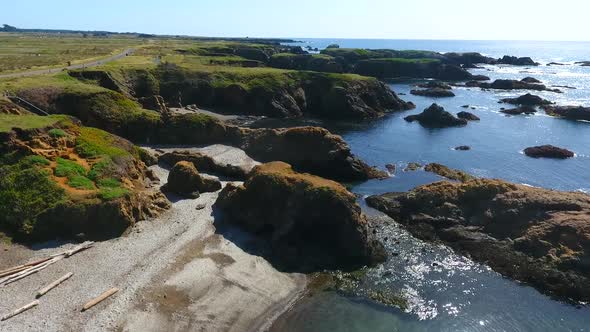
x=534 y=235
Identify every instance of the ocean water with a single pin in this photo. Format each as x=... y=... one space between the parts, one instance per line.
x=447 y=292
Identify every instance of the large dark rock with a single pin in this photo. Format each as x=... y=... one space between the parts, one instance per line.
x=468 y=116
x=448 y=173
x=531 y=80
x=515 y=61
x=204 y=163
x=583 y=63
x=520 y=110
x=534 y=235
x=548 y=151
x=309 y=222
x=528 y=99
x=569 y=112
x=511 y=85
x=435 y=116
x=433 y=92
x=184 y=179
x=308 y=149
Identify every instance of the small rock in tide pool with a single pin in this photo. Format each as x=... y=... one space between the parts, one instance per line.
x=201 y=206
x=412 y=167
x=435 y=264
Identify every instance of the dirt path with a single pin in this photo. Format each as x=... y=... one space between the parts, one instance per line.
x=95 y=63
x=175 y=274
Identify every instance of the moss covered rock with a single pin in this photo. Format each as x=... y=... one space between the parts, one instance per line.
x=310 y=222
x=62 y=179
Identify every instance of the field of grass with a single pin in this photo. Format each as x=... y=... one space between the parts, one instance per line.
x=20 y=52
x=9 y=121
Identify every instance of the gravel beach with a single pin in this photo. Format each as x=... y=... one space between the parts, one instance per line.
x=175 y=273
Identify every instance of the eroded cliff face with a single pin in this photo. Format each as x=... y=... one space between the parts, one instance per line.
x=278 y=93
x=534 y=235
x=65 y=180
x=309 y=222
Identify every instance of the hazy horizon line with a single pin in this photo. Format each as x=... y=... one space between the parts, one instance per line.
x=300 y=37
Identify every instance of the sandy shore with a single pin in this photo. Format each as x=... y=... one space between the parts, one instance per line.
x=175 y=274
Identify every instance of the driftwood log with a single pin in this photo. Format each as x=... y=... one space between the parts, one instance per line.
x=99 y=299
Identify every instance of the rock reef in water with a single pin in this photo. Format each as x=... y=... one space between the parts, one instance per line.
x=468 y=116
x=448 y=173
x=515 y=61
x=548 y=151
x=435 y=116
x=569 y=112
x=433 y=92
x=533 y=235
x=528 y=99
x=511 y=85
x=520 y=110
x=531 y=80
x=310 y=223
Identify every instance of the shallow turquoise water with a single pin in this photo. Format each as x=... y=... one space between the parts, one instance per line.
x=457 y=294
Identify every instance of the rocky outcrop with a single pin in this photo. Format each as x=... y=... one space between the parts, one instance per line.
x=528 y=100
x=413 y=68
x=520 y=110
x=511 y=85
x=433 y=92
x=451 y=174
x=62 y=180
x=204 y=163
x=435 y=116
x=468 y=116
x=569 y=112
x=310 y=223
x=185 y=180
x=531 y=80
x=308 y=149
x=154 y=103
x=548 y=151
x=313 y=62
x=534 y=235
x=515 y=61
x=281 y=94
x=583 y=63
x=435 y=85
x=8 y=107
x=462 y=148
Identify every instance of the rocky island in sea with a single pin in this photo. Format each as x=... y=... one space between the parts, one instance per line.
x=206 y=214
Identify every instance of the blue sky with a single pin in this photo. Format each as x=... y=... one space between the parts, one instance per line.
x=409 y=19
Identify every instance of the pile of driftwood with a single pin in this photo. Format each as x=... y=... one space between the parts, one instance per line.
x=17 y=273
